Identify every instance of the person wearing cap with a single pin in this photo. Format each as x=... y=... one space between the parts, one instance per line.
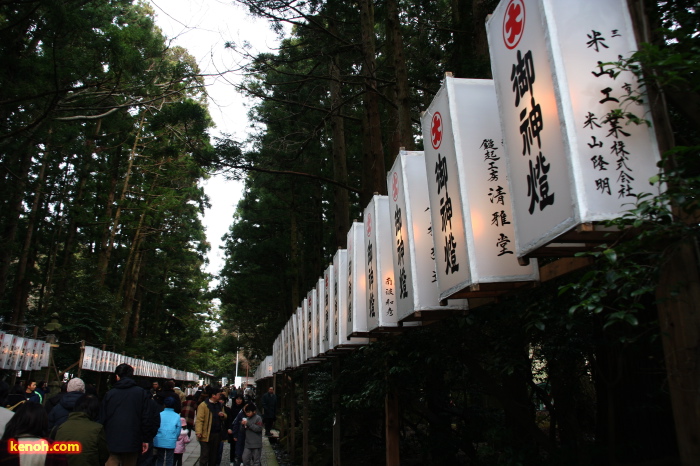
x=182 y=441
x=74 y=390
x=181 y=394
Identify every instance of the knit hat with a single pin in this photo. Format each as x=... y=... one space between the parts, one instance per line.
x=76 y=385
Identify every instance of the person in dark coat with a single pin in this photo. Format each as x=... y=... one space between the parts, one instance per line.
x=238 y=434
x=269 y=406
x=15 y=397
x=82 y=427
x=66 y=405
x=53 y=400
x=236 y=407
x=131 y=418
x=30 y=393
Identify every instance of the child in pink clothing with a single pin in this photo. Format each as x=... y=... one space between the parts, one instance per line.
x=181 y=443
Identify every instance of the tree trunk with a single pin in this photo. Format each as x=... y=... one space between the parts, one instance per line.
x=19 y=304
x=130 y=282
x=294 y=259
x=565 y=382
x=83 y=166
x=102 y=270
x=374 y=171
x=679 y=319
x=7 y=242
x=47 y=283
x=469 y=57
x=137 y=311
x=104 y=249
x=678 y=291
x=404 y=131
x=341 y=197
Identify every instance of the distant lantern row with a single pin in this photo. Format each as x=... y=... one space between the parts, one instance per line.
x=106 y=361
x=23 y=354
x=523 y=166
x=26 y=354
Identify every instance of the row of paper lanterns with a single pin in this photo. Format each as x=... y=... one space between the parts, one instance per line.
x=106 y=361
x=265 y=370
x=512 y=169
x=23 y=354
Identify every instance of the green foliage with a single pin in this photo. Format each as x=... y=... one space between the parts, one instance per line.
x=101 y=127
x=467 y=385
x=626 y=272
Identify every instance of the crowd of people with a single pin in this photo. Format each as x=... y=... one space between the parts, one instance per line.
x=131 y=425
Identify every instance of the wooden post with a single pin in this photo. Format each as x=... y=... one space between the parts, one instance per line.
x=679 y=319
x=305 y=419
x=335 y=400
x=281 y=391
x=678 y=291
x=391 y=404
x=82 y=355
x=292 y=419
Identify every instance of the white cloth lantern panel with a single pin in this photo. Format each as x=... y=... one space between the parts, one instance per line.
x=28 y=355
x=326 y=308
x=312 y=301
x=320 y=314
x=299 y=337
x=340 y=339
x=5 y=350
x=356 y=284
x=291 y=339
x=413 y=251
x=469 y=194
x=379 y=267
x=16 y=353
x=572 y=160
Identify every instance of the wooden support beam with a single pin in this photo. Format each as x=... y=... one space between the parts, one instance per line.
x=391 y=404
x=292 y=419
x=335 y=401
x=282 y=396
x=305 y=419
x=563 y=266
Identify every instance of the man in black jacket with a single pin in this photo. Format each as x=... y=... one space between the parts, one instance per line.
x=131 y=419
x=269 y=405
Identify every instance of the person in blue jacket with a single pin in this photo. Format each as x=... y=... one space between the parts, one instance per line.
x=165 y=440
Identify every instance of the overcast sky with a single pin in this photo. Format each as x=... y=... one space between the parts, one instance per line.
x=203 y=27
